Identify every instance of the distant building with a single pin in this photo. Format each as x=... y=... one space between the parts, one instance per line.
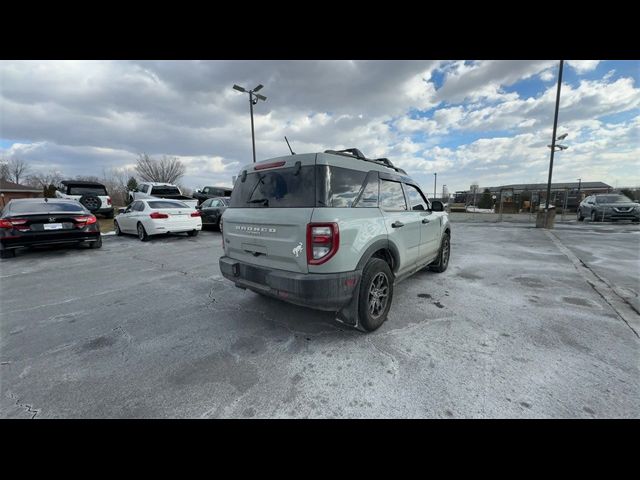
x=521 y=196
x=10 y=190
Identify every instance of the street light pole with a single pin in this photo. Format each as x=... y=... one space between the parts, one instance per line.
x=443 y=193
x=553 y=139
x=252 y=102
x=435 y=178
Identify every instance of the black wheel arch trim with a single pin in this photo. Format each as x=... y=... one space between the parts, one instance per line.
x=373 y=248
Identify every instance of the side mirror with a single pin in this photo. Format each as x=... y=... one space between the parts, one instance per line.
x=437 y=206
x=418 y=207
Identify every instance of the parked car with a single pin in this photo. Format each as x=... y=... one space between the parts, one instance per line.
x=148 y=217
x=212 y=210
x=211 y=192
x=29 y=222
x=333 y=231
x=151 y=190
x=92 y=195
x=608 y=207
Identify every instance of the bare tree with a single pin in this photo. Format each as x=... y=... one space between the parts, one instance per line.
x=4 y=171
x=116 y=182
x=39 y=179
x=17 y=170
x=167 y=170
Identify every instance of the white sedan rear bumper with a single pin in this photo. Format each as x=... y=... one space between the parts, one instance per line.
x=172 y=225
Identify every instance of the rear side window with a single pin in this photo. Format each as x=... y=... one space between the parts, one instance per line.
x=342 y=186
x=369 y=198
x=285 y=187
x=391 y=196
x=167 y=205
x=87 y=190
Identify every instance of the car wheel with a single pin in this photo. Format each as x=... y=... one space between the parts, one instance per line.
x=7 y=253
x=116 y=228
x=97 y=243
x=594 y=217
x=375 y=295
x=220 y=225
x=580 y=216
x=193 y=233
x=441 y=264
x=142 y=233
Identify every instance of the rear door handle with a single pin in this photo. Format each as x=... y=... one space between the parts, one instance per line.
x=397 y=224
x=425 y=220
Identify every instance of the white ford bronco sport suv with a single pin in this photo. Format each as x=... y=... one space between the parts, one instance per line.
x=333 y=231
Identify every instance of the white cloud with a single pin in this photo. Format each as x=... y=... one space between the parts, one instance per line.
x=583 y=66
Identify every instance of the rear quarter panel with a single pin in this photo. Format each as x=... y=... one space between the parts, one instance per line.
x=359 y=228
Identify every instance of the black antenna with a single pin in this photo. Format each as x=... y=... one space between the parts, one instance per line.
x=292 y=152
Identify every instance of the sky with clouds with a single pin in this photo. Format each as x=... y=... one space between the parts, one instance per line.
x=470 y=121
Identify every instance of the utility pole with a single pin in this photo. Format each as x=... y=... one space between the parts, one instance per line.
x=435 y=177
x=553 y=140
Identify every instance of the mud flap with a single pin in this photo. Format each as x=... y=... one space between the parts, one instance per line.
x=349 y=313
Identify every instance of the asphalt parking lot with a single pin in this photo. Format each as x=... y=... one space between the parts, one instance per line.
x=517 y=327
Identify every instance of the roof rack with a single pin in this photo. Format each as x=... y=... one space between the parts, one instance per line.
x=355 y=153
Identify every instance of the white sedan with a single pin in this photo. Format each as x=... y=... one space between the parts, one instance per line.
x=155 y=216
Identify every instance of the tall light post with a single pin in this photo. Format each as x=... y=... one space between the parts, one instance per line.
x=252 y=102
x=443 y=192
x=553 y=143
x=435 y=177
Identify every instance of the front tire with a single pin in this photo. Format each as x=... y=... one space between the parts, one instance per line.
x=220 y=225
x=443 y=255
x=594 y=216
x=580 y=216
x=193 y=233
x=116 y=227
x=375 y=295
x=142 y=233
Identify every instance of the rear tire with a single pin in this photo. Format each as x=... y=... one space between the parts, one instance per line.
x=96 y=244
x=193 y=233
x=142 y=233
x=375 y=295
x=7 y=253
x=442 y=262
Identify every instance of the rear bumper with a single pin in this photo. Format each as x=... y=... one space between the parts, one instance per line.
x=320 y=291
x=36 y=239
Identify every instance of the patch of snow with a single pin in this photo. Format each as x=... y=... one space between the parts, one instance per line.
x=479 y=210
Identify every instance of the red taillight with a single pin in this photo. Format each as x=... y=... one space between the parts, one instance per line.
x=269 y=165
x=85 y=220
x=323 y=241
x=196 y=214
x=159 y=215
x=4 y=223
x=108 y=200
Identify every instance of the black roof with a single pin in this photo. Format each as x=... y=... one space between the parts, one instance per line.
x=80 y=182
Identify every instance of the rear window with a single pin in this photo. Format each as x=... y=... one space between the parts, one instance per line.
x=165 y=191
x=45 y=207
x=285 y=187
x=87 y=190
x=161 y=204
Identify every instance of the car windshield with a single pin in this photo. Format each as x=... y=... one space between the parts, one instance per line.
x=165 y=204
x=87 y=190
x=612 y=199
x=45 y=207
x=165 y=190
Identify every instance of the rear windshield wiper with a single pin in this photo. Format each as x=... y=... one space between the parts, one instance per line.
x=260 y=200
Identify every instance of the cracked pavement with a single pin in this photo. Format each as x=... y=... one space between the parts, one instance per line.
x=152 y=330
